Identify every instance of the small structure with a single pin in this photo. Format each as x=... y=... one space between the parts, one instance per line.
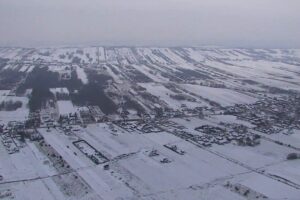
x=175 y=149
x=106 y=167
x=153 y=153
x=165 y=160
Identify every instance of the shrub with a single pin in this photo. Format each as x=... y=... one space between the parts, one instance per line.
x=293 y=156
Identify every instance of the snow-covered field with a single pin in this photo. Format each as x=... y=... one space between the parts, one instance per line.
x=134 y=174
x=65 y=107
x=19 y=114
x=81 y=75
x=165 y=95
x=224 y=97
x=3 y=94
x=138 y=169
x=194 y=86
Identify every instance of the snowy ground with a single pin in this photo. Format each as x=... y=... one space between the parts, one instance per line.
x=65 y=107
x=224 y=97
x=134 y=174
x=57 y=169
x=81 y=75
x=3 y=94
x=165 y=95
x=17 y=115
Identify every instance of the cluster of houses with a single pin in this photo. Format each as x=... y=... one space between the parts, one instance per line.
x=140 y=125
x=14 y=134
x=9 y=143
x=233 y=133
x=48 y=115
x=209 y=135
x=270 y=115
x=96 y=113
x=86 y=115
x=70 y=119
x=184 y=111
x=91 y=114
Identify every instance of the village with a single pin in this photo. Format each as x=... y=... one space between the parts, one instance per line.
x=111 y=129
x=270 y=116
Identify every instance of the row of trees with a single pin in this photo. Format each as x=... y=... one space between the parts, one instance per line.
x=10 y=105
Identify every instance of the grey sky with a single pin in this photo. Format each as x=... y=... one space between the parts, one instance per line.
x=258 y=23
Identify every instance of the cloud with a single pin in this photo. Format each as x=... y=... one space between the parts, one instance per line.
x=262 y=23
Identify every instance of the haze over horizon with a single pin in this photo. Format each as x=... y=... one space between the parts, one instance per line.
x=229 y=23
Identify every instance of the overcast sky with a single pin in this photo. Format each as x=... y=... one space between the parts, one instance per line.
x=240 y=23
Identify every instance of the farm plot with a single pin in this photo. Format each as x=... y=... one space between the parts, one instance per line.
x=20 y=114
x=167 y=95
x=224 y=97
x=90 y=152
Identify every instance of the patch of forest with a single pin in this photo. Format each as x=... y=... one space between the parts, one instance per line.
x=10 y=105
x=40 y=80
x=93 y=93
x=9 y=78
